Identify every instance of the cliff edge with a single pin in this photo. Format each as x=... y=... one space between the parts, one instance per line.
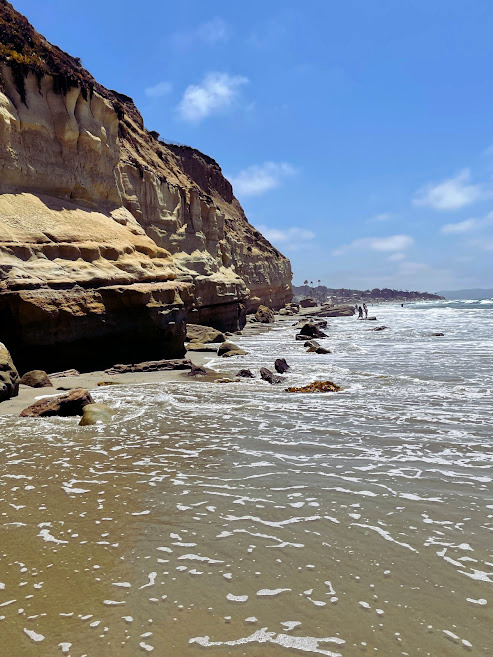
x=110 y=238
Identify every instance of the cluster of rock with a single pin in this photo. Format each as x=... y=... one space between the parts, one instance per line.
x=110 y=239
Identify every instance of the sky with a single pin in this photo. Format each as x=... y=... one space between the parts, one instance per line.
x=358 y=134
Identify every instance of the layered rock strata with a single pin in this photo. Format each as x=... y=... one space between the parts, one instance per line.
x=109 y=238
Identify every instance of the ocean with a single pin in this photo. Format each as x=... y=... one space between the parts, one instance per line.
x=239 y=519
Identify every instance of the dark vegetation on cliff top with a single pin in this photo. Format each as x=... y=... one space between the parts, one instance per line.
x=343 y=294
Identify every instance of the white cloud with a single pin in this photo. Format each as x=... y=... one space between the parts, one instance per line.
x=158 y=90
x=217 y=92
x=383 y=216
x=397 y=257
x=452 y=193
x=260 y=178
x=214 y=31
x=468 y=225
x=209 y=33
x=391 y=243
x=290 y=239
x=460 y=227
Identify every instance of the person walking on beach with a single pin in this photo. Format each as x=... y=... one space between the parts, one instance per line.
x=365 y=310
x=360 y=312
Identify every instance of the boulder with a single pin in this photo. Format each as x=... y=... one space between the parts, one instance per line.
x=9 y=377
x=378 y=328
x=200 y=346
x=281 y=366
x=317 y=386
x=152 y=366
x=63 y=405
x=36 y=379
x=371 y=319
x=246 y=374
x=204 y=334
x=336 y=311
x=227 y=380
x=228 y=349
x=312 y=343
x=197 y=371
x=265 y=315
x=301 y=336
x=308 y=303
x=438 y=335
x=318 y=350
x=312 y=331
x=270 y=377
x=96 y=414
x=285 y=311
x=319 y=323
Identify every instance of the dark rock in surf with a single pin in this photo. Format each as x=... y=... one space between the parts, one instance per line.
x=270 y=377
x=281 y=366
x=246 y=374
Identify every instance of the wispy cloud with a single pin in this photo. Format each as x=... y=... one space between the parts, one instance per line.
x=453 y=193
x=260 y=178
x=397 y=257
x=483 y=244
x=214 y=31
x=393 y=243
x=379 y=218
x=270 y=36
x=210 y=33
x=289 y=239
x=216 y=93
x=158 y=90
x=468 y=225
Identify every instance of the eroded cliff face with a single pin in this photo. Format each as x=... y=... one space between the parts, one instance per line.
x=108 y=236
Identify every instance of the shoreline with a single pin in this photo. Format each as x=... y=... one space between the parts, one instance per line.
x=90 y=380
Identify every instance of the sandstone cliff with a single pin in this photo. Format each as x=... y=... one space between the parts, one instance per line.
x=110 y=238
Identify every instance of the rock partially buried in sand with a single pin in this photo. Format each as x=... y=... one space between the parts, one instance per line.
x=9 y=377
x=152 y=366
x=379 y=328
x=204 y=334
x=281 y=366
x=270 y=377
x=265 y=315
x=317 y=386
x=197 y=371
x=228 y=349
x=36 y=379
x=438 y=335
x=96 y=414
x=226 y=380
x=63 y=405
x=55 y=375
x=200 y=346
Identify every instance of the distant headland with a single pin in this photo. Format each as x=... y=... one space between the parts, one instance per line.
x=343 y=295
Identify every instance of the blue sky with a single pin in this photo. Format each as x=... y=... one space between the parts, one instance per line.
x=358 y=135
